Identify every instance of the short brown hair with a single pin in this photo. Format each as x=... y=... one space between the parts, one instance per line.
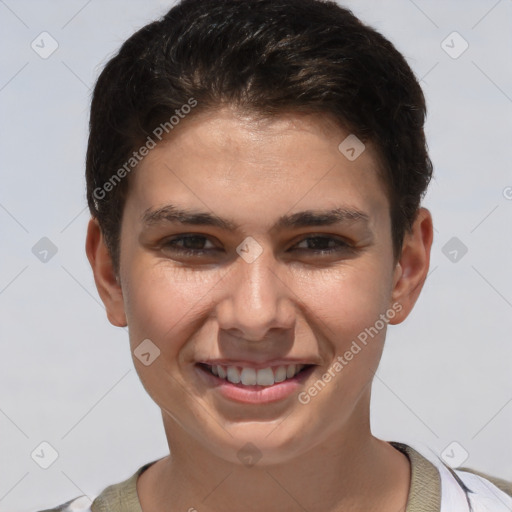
x=265 y=57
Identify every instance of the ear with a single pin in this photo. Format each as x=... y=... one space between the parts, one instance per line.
x=104 y=275
x=412 y=267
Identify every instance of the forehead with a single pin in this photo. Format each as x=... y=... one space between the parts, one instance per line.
x=226 y=161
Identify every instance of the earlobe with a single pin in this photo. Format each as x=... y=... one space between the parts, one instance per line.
x=412 y=267
x=105 y=277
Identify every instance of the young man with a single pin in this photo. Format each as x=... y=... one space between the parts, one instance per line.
x=254 y=173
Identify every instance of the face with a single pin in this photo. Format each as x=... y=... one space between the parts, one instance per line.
x=258 y=249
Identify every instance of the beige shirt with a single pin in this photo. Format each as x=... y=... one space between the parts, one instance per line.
x=424 y=492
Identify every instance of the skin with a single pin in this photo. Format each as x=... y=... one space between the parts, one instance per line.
x=292 y=301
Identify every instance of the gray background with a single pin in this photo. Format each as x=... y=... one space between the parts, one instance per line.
x=66 y=375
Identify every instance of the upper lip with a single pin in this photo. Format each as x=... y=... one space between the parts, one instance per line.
x=254 y=364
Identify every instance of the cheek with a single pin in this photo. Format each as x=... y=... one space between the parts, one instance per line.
x=166 y=306
x=349 y=299
x=163 y=304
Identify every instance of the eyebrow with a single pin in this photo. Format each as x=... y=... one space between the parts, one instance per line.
x=172 y=214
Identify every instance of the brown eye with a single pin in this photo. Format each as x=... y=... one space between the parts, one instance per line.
x=323 y=244
x=192 y=245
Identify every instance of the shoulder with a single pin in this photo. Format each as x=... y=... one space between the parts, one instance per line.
x=460 y=489
x=482 y=492
x=479 y=478
x=119 y=497
x=79 y=504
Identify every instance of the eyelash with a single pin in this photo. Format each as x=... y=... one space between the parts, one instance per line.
x=169 y=244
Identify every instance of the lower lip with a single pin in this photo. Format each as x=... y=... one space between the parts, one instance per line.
x=255 y=394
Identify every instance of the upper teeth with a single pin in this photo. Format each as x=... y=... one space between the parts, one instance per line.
x=250 y=376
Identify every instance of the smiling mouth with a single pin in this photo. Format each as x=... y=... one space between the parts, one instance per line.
x=264 y=377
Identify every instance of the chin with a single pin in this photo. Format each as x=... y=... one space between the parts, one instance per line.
x=256 y=443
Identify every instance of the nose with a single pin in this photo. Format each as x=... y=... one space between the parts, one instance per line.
x=256 y=298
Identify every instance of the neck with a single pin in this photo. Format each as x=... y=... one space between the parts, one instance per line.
x=350 y=471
